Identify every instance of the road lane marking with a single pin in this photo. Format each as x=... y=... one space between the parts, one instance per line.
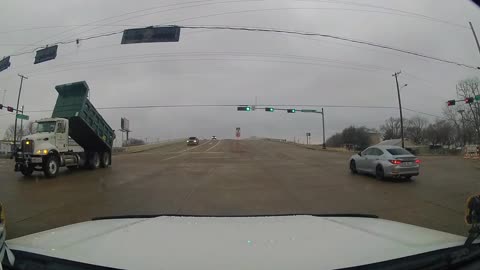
x=218 y=142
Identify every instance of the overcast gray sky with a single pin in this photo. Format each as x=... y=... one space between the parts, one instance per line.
x=233 y=67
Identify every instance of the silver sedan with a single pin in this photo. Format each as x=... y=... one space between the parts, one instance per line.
x=385 y=161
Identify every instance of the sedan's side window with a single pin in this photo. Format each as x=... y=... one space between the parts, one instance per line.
x=367 y=152
x=377 y=152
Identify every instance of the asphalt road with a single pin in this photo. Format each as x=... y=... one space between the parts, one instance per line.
x=241 y=177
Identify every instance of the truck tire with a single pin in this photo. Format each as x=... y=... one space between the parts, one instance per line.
x=51 y=166
x=27 y=171
x=93 y=160
x=105 y=160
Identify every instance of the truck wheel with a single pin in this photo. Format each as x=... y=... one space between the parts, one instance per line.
x=93 y=161
x=51 y=166
x=105 y=161
x=27 y=171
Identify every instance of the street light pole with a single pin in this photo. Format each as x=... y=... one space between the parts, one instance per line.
x=400 y=107
x=16 y=112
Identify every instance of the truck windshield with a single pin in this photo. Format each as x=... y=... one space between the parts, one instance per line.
x=45 y=126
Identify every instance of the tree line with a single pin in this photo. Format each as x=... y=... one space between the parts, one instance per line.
x=459 y=126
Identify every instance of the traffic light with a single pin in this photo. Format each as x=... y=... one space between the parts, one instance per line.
x=291 y=110
x=269 y=109
x=451 y=102
x=1 y=106
x=469 y=100
x=10 y=109
x=244 y=108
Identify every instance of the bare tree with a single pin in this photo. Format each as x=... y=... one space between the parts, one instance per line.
x=391 y=128
x=415 y=129
x=9 y=133
x=471 y=112
x=440 y=133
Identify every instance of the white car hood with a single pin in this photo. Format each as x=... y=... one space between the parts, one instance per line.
x=278 y=242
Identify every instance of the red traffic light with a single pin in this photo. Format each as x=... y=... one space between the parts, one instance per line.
x=469 y=100
x=451 y=102
x=10 y=109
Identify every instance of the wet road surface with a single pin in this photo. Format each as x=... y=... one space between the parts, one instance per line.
x=243 y=177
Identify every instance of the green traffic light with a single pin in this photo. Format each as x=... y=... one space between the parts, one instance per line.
x=247 y=109
x=269 y=109
x=477 y=97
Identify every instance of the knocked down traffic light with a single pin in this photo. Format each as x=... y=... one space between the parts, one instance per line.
x=451 y=102
x=291 y=110
x=244 y=108
x=269 y=109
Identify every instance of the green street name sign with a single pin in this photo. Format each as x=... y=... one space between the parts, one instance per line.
x=23 y=117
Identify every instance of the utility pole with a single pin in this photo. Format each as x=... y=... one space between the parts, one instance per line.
x=475 y=36
x=400 y=107
x=16 y=112
x=324 y=146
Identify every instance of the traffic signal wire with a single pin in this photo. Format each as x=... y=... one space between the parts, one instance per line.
x=271 y=30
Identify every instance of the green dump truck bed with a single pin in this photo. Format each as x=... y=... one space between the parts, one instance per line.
x=86 y=126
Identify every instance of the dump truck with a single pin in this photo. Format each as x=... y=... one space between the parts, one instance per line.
x=76 y=136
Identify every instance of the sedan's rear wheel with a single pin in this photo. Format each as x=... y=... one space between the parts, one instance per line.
x=353 y=167
x=379 y=173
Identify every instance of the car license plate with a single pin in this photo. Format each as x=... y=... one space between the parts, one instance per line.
x=36 y=160
x=407 y=164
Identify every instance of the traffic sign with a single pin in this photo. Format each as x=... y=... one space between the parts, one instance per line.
x=309 y=134
x=237 y=134
x=23 y=117
x=308 y=110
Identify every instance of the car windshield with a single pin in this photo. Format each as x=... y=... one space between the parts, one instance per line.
x=319 y=107
x=398 y=151
x=45 y=126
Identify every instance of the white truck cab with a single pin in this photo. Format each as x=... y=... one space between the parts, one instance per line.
x=50 y=148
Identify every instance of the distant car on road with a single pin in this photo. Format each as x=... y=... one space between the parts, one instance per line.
x=193 y=141
x=214 y=138
x=385 y=161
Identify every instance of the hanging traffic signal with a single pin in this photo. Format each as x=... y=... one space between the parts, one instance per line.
x=5 y=63
x=269 y=109
x=9 y=108
x=49 y=53
x=151 y=34
x=244 y=108
x=291 y=110
x=469 y=100
x=1 y=106
x=451 y=102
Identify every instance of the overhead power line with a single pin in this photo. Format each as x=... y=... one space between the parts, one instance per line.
x=258 y=105
x=272 y=30
x=369 y=43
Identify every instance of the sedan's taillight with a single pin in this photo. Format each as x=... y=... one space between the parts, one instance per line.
x=417 y=161
x=395 y=161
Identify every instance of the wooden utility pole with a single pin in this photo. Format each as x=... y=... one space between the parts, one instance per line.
x=400 y=107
